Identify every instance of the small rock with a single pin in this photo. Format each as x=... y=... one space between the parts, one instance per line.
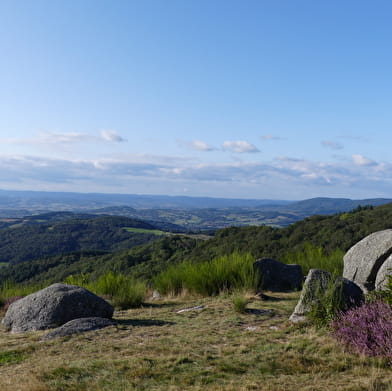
x=78 y=326
x=199 y=307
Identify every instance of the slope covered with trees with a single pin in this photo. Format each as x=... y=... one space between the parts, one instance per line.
x=26 y=242
x=327 y=233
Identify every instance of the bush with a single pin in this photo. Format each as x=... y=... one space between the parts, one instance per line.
x=239 y=303
x=223 y=274
x=314 y=257
x=124 y=291
x=366 y=329
x=329 y=304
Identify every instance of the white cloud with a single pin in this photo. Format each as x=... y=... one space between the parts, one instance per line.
x=111 y=135
x=201 y=146
x=240 y=147
x=331 y=144
x=197 y=145
x=361 y=160
x=294 y=177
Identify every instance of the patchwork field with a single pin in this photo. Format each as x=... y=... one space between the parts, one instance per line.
x=212 y=348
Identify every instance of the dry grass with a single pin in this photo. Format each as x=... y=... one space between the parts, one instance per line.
x=215 y=348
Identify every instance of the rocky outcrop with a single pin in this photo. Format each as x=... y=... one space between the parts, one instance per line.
x=277 y=276
x=346 y=293
x=79 y=326
x=316 y=281
x=364 y=260
x=54 y=306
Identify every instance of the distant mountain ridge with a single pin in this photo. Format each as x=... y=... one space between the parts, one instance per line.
x=176 y=213
x=71 y=201
x=61 y=201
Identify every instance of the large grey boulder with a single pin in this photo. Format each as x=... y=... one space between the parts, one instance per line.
x=383 y=273
x=346 y=293
x=79 y=325
x=277 y=276
x=53 y=306
x=363 y=261
x=316 y=281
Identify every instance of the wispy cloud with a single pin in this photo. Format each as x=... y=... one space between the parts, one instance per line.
x=240 y=147
x=270 y=137
x=332 y=145
x=196 y=145
x=111 y=135
x=53 y=138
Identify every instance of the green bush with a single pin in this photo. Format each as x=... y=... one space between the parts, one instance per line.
x=123 y=291
x=239 y=303
x=329 y=304
x=223 y=274
x=314 y=257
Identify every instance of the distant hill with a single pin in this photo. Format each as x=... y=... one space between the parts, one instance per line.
x=176 y=213
x=62 y=233
x=323 y=205
x=216 y=218
x=37 y=200
x=337 y=232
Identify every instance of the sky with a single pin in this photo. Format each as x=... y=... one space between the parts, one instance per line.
x=285 y=99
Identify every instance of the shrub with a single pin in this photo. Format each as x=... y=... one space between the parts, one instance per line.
x=130 y=293
x=223 y=274
x=366 y=329
x=314 y=257
x=239 y=303
x=329 y=304
x=124 y=291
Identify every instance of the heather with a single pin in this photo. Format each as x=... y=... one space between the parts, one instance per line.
x=366 y=329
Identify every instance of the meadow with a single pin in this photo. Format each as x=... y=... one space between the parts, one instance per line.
x=213 y=348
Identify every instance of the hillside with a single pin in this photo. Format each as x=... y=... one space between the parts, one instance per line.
x=61 y=233
x=331 y=233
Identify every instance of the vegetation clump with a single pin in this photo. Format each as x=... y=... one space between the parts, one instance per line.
x=366 y=329
x=226 y=273
x=123 y=291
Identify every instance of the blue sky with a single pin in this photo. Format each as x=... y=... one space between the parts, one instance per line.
x=250 y=99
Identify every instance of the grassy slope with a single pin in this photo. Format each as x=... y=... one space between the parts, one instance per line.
x=154 y=348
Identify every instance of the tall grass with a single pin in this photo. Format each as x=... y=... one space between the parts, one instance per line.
x=123 y=291
x=10 y=290
x=314 y=257
x=223 y=274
